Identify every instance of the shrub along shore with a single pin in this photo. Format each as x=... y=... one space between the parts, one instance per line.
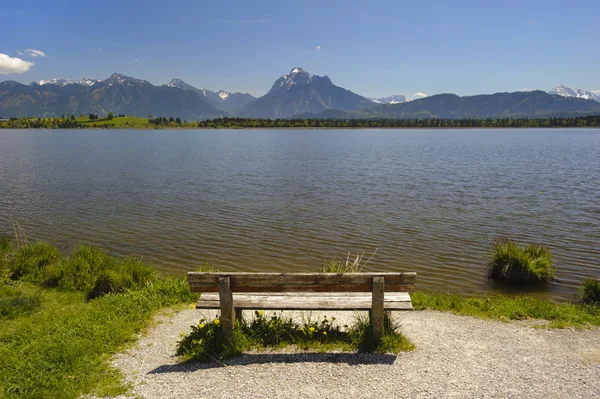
x=63 y=316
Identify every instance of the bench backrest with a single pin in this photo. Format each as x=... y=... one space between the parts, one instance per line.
x=301 y=282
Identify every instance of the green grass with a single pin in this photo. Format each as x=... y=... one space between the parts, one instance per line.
x=500 y=307
x=62 y=317
x=590 y=291
x=17 y=300
x=88 y=269
x=61 y=350
x=125 y=121
x=513 y=264
x=205 y=341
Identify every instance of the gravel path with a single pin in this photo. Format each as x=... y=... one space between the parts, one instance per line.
x=456 y=356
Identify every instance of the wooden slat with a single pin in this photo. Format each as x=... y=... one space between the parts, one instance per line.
x=267 y=301
x=304 y=282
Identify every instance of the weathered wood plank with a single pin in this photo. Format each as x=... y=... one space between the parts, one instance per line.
x=388 y=295
x=227 y=309
x=292 y=282
x=249 y=278
x=265 y=301
x=312 y=288
x=377 y=310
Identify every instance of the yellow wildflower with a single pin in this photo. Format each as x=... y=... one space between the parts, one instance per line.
x=312 y=329
x=324 y=332
x=192 y=306
x=261 y=312
x=217 y=322
x=201 y=325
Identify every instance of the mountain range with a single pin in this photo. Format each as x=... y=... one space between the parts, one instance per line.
x=296 y=94
x=222 y=100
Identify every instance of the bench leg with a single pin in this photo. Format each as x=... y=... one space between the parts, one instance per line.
x=238 y=314
x=377 y=310
x=227 y=309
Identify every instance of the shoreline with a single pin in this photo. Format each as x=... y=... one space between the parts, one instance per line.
x=316 y=128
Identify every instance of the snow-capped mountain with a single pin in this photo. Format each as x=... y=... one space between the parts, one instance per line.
x=64 y=82
x=566 y=91
x=221 y=99
x=394 y=99
x=299 y=93
x=398 y=98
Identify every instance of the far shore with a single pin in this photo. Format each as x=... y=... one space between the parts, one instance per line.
x=429 y=123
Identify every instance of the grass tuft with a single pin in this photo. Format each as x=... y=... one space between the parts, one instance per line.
x=30 y=261
x=205 y=341
x=513 y=264
x=590 y=291
x=350 y=265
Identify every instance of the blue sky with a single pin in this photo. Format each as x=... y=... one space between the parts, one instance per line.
x=374 y=48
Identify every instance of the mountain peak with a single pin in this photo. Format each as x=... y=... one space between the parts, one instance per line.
x=568 y=91
x=120 y=79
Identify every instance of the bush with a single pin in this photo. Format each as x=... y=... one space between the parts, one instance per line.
x=89 y=270
x=79 y=271
x=206 y=342
x=30 y=261
x=513 y=264
x=590 y=291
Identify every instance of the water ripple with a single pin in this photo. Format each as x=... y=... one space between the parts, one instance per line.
x=430 y=201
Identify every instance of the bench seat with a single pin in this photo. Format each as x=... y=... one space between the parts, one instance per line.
x=307 y=301
x=237 y=291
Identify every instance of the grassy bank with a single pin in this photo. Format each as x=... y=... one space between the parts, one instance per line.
x=63 y=316
x=505 y=308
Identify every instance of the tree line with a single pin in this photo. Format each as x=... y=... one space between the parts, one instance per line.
x=70 y=122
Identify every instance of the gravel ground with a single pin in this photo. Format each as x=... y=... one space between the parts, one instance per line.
x=456 y=356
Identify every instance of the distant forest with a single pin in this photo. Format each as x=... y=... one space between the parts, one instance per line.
x=127 y=122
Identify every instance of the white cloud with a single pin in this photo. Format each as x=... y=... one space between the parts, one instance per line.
x=419 y=95
x=35 y=53
x=318 y=48
x=136 y=60
x=13 y=65
x=595 y=91
x=20 y=52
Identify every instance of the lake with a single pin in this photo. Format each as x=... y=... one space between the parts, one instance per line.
x=430 y=201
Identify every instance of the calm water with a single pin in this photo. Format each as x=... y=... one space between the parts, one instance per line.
x=430 y=201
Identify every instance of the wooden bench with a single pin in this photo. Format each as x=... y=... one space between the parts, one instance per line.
x=234 y=292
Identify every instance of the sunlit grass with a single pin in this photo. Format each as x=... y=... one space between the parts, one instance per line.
x=55 y=342
x=205 y=342
x=505 y=308
x=513 y=264
x=124 y=121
